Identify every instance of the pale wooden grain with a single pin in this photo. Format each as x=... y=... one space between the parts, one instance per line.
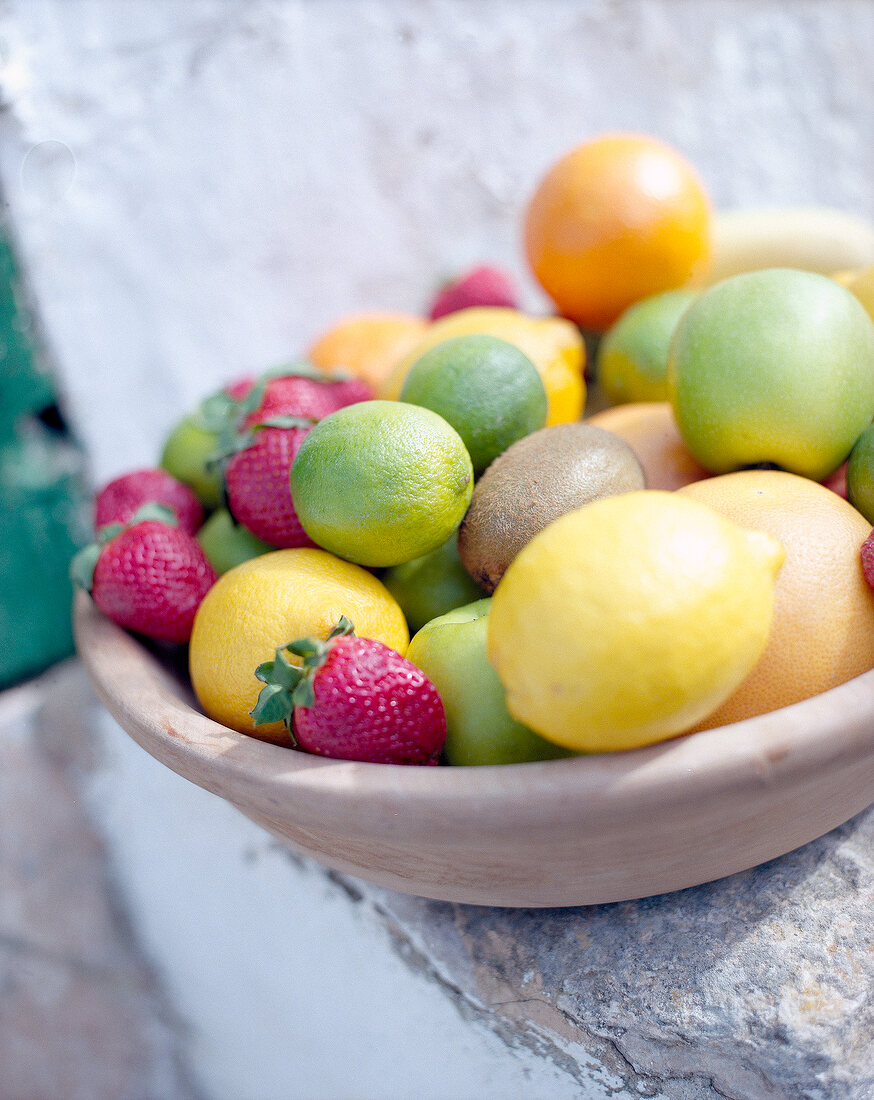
x=558 y=833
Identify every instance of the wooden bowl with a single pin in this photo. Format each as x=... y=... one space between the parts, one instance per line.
x=564 y=832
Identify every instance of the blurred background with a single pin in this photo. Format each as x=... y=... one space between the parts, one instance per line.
x=195 y=191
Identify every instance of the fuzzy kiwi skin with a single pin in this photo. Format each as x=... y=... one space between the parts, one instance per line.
x=539 y=478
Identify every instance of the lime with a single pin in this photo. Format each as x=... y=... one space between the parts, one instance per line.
x=381 y=482
x=555 y=346
x=431 y=585
x=860 y=474
x=631 y=363
x=486 y=388
x=631 y=619
x=227 y=543
x=451 y=651
x=186 y=455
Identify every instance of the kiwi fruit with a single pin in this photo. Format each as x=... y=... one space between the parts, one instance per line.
x=537 y=479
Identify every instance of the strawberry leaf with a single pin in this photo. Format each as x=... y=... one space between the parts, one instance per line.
x=300 y=368
x=304 y=695
x=274 y=705
x=108 y=531
x=343 y=627
x=288 y=685
x=216 y=411
x=284 y=422
x=83 y=564
x=152 y=510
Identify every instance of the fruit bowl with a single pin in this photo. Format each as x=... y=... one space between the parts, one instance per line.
x=579 y=831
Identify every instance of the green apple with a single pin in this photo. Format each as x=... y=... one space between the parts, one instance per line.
x=227 y=543
x=451 y=651
x=631 y=363
x=773 y=367
x=186 y=455
x=432 y=584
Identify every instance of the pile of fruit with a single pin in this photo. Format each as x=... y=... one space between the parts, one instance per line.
x=417 y=545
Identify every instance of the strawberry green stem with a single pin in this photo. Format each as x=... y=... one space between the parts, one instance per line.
x=288 y=685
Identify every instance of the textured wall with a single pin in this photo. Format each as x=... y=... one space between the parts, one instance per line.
x=201 y=187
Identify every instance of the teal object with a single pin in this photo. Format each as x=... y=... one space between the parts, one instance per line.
x=43 y=498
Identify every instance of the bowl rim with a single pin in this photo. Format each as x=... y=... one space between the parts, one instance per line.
x=767 y=753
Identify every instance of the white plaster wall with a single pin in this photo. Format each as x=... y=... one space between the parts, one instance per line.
x=202 y=187
x=198 y=189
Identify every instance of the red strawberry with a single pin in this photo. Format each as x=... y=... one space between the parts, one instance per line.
x=295 y=395
x=353 y=699
x=307 y=392
x=121 y=498
x=486 y=285
x=148 y=577
x=258 y=489
x=238 y=389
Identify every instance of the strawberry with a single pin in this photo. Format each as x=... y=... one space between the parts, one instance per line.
x=485 y=285
x=257 y=482
x=300 y=390
x=274 y=416
x=118 y=500
x=867 y=556
x=352 y=699
x=149 y=576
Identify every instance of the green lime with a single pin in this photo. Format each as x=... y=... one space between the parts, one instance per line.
x=186 y=455
x=486 y=388
x=227 y=543
x=431 y=585
x=631 y=363
x=451 y=651
x=381 y=482
x=860 y=474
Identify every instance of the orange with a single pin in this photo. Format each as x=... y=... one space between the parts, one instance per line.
x=823 y=628
x=649 y=428
x=619 y=218
x=267 y=602
x=367 y=344
x=553 y=345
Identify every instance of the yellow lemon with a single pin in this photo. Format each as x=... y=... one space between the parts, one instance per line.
x=267 y=602
x=627 y=621
x=554 y=345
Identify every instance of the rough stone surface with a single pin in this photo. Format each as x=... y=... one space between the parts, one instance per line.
x=81 y=1013
x=754 y=987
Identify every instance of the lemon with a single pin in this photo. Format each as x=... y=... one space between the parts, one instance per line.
x=486 y=388
x=381 y=482
x=267 y=602
x=629 y=620
x=554 y=345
